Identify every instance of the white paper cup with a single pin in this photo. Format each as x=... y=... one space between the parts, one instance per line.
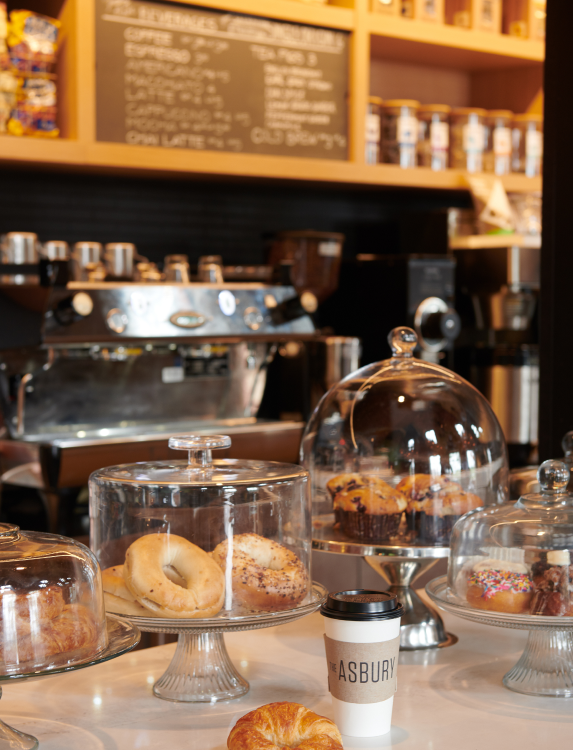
x=362 y=638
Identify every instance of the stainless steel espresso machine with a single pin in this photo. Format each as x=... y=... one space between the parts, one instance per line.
x=94 y=373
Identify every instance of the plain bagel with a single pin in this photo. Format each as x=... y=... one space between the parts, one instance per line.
x=266 y=575
x=146 y=561
x=118 y=598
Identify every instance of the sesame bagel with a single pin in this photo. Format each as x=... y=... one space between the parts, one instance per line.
x=265 y=575
x=146 y=561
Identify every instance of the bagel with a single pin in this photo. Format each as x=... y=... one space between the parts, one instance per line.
x=284 y=725
x=117 y=597
x=146 y=561
x=265 y=575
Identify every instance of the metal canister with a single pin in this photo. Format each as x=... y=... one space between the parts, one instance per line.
x=19 y=248
x=119 y=258
x=56 y=250
x=176 y=268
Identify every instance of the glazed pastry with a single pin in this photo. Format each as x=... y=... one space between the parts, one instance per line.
x=277 y=726
x=370 y=513
x=264 y=575
x=434 y=506
x=505 y=588
x=551 y=581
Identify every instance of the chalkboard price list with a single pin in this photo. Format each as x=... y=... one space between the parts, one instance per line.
x=175 y=76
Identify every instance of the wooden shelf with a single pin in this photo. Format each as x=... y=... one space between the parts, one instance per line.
x=494 y=241
x=118 y=158
x=489 y=55
x=440 y=45
x=328 y=16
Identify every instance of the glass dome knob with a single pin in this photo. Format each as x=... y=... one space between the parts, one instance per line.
x=567 y=444
x=553 y=476
x=199 y=447
x=402 y=341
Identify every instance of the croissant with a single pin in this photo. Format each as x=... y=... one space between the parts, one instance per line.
x=278 y=726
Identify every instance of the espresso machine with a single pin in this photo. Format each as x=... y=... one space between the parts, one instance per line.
x=497 y=297
x=95 y=373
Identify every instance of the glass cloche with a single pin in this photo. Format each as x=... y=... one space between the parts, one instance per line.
x=51 y=602
x=199 y=538
x=401 y=449
x=516 y=558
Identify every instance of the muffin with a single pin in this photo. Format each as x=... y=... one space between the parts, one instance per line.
x=434 y=506
x=371 y=513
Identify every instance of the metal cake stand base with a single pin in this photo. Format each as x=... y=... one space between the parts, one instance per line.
x=400 y=565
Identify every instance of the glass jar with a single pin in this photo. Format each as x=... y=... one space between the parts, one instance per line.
x=538 y=15
x=484 y=15
x=389 y=7
x=200 y=538
x=433 y=136
x=516 y=558
x=400 y=132
x=429 y=10
x=498 y=141
x=400 y=449
x=527 y=138
x=373 y=114
x=467 y=138
x=51 y=602
x=516 y=18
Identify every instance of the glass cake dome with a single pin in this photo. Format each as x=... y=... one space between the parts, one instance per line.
x=516 y=558
x=51 y=603
x=401 y=449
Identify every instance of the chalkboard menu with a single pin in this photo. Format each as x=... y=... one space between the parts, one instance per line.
x=177 y=76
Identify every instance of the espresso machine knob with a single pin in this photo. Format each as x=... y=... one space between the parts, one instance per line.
x=296 y=307
x=73 y=308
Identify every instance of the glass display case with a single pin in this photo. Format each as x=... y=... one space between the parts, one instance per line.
x=511 y=566
x=51 y=604
x=398 y=451
x=401 y=449
x=52 y=616
x=200 y=546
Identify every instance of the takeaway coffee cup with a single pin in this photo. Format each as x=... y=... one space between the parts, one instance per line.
x=362 y=641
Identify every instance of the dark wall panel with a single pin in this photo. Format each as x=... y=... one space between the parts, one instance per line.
x=199 y=218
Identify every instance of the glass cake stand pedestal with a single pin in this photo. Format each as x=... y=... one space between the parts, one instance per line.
x=122 y=637
x=546 y=665
x=400 y=565
x=201 y=670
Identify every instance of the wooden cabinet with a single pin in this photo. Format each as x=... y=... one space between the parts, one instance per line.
x=390 y=56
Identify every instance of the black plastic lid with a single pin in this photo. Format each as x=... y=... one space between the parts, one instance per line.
x=362 y=604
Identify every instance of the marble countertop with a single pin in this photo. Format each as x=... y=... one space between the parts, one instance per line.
x=447 y=699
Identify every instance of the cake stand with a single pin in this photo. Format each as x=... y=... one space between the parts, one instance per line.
x=201 y=670
x=400 y=565
x=122 y=637
x=546 y=666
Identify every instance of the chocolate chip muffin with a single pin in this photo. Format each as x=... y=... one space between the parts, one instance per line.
x=370 y=513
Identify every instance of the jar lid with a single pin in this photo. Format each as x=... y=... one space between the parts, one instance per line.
x=375 y=100
x=199 y=470
x=441 y=108
x=460 y=111
x=528 y=117
x=500 y=113
x=362 y=604
x=401 y=103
